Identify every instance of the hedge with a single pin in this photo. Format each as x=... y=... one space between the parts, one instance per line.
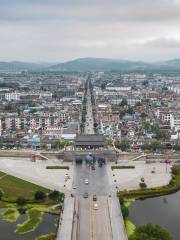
x=57 y=167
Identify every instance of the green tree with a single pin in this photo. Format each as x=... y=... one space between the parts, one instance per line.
x=123 y=103
x=156 y=145
x=39 y=196
x=125 y=211
x=150 y=232
x=54 y=194
x=123 y=145
x=21 y=201
x=1 y=194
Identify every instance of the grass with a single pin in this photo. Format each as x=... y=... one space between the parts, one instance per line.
x=10 y=215
x=50 y=236
x=14 y=187
x=57 y=167
x=35 y=217
x=130 y=227
x=122 y=167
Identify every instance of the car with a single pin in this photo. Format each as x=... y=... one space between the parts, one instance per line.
x=74 y=187
x=66 y=175
x=96 y=206
x=93 y=167
x=86 y=181
x=85 y=195
x=94 y=198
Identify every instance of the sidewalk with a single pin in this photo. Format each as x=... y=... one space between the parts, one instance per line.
x=65 y=226
x=117 y=221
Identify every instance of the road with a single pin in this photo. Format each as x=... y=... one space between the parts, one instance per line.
x=92 y=224
x=89 y=124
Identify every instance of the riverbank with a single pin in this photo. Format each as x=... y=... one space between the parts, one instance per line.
x=128 y=197
x=21 y=197
x=172 y=187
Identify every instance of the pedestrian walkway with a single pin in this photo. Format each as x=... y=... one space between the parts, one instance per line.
x=117 y=221
x=66 y=225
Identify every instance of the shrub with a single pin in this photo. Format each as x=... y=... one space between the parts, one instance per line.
x=125 y=211
x=39 y=196
x=143 y=185
x=21 y=201
x=150 y=232
x=57 y=167
x=122 y=167
x=1 y=194
x=54 y=194
x=121 y=200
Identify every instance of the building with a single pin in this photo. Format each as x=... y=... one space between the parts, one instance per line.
x=12 y=96
x=175 y=121
x=90 y=141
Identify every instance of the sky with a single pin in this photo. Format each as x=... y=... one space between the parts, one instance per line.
x=62 y=30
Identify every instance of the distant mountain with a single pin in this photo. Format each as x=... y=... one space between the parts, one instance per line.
x=94 y=64
x=101 y=64
x=98 y=64
x=16 y=66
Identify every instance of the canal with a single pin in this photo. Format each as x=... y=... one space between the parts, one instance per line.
x=164 y=211
x=7 y=229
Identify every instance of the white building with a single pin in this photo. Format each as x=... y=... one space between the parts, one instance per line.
x=175 y=121
x=163 y=114
x=12 y=96
x=0 y=127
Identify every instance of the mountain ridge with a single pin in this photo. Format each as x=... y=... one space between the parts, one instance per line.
x=92 y=64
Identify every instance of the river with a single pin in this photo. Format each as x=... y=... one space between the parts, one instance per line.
x=164 y=211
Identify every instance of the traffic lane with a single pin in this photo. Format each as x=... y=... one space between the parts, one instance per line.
x=98 y=179
x=101 y=220
x=81 y=173
x=83 y=225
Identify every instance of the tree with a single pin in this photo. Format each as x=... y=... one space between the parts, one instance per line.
x=156 y=145
x=1 y=194
x=39 y=196
x=125 y=211
x=21 y=201
x=54 y=194
x=143 y=115
x=124 y=145
x=150 y=232
x=123 y=103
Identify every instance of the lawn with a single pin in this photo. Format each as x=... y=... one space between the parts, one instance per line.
x=130 y=227
x=34 y=218
x=10 y=214
x=14 y=187
x=50 y=236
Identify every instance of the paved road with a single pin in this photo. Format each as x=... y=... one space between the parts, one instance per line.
x=89 y=124
x=92 y=224
x=98 y=180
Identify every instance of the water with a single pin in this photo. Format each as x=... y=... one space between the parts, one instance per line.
x=164 y=211
x=7 y=229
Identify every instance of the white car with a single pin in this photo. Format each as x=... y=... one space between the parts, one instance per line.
x=86 y=181
x=96 y=207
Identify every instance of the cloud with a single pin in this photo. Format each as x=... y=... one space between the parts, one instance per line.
x=56 y=30
x=162 y=42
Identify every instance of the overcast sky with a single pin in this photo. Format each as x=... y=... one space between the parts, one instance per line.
x=60 y=30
